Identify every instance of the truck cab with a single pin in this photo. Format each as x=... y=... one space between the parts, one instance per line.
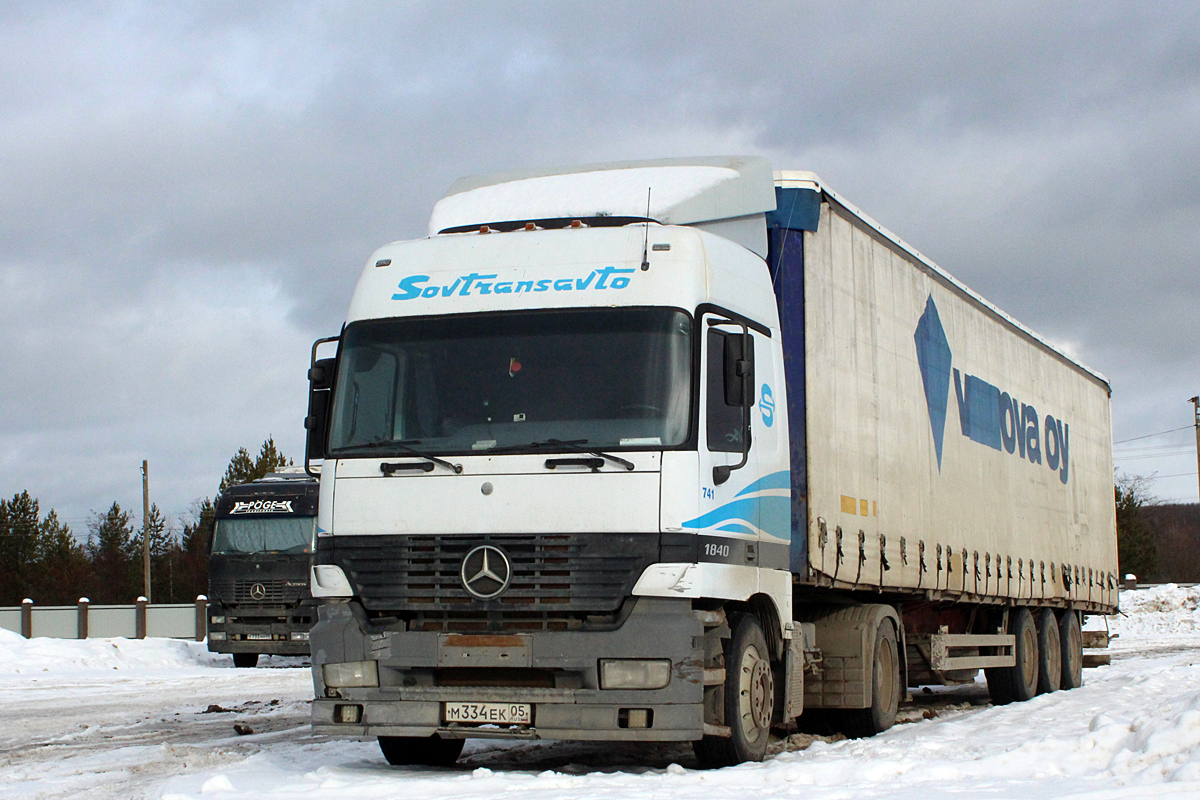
x=259 y=600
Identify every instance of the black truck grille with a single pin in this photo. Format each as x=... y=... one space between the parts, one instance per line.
x=268 y=591
x=554 y=576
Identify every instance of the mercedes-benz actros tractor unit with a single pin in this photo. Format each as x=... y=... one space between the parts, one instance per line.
x=685 y=450
x=259 y=602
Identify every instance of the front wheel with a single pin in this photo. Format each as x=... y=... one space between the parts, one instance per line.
x=431 y=751
x=749 y=698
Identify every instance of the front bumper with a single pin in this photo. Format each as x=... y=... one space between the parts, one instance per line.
x=268 y=630
x=416 y=670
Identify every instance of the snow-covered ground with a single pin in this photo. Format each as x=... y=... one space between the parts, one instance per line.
x=116 y=718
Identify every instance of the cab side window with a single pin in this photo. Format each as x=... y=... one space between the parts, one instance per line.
x=726 y=422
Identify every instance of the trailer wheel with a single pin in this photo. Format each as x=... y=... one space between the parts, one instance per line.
x=431 y=751
x=885 y=689
x=1071 y=636
x=245 y=660
x=749 y=698
x=1020 y=681
x=1050 y=652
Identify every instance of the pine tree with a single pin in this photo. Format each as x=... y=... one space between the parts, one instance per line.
x=193 y=550
x=1137 y=549
x=18 y=547
x=242 y=469
x=110 y=549
x=62 y=566
x=162 y=541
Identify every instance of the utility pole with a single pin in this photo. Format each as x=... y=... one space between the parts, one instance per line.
x=146 y=530
x=1196 y=405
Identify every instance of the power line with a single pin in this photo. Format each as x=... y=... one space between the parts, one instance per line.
x=1138 y=451
x=1154 y=455
x=1160 y=433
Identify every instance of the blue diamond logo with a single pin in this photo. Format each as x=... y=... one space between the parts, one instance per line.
x=933 y=358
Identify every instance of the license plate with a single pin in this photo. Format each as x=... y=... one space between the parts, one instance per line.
x=490 y=713
x=258 y=637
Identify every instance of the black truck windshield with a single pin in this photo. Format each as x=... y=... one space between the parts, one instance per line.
x=264 y=535
x=611 y=378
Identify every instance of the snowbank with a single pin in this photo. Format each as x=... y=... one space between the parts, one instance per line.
x=1160 y=609
x=19 y=655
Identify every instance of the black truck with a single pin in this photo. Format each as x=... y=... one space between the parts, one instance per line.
x=258 y=596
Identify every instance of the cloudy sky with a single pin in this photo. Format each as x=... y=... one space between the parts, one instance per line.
x=189 y=190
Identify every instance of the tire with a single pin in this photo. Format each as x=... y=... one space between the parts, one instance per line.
x=1050 y=652
x=245 y=660
x=430 y=751
x=1071 y=637
x=885 y=688
x=1020 y=681
x=749 y=698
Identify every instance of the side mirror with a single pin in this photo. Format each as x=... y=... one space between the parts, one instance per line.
x=321 y=372
x=739 y=370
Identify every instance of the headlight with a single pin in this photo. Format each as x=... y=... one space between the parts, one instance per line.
x=351 y=673
x=218 y=620
x=328 y=580
x=299 y=636
x=216 y=636
x=630 y=673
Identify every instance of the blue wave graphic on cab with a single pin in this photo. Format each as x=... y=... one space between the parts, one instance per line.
x=753 y=510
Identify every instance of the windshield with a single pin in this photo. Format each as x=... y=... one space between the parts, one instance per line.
x=613 y=378
x=264 y=535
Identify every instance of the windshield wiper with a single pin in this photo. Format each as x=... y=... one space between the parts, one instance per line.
x=573 y=445
x=403 y=446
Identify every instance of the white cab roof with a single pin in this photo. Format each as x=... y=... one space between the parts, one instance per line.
x=681 y=191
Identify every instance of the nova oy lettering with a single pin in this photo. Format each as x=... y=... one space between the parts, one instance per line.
x=414 y=286
x=262 y=507
x=995 y=418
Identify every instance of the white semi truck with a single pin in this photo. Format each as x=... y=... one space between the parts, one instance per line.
x=685 y=450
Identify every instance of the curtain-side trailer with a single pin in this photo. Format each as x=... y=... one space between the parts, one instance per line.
x=685 y=450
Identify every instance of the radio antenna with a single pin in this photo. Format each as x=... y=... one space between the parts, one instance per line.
x=646 y=240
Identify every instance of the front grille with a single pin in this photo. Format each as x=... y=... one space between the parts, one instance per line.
x=555 y=576
x=243 y=591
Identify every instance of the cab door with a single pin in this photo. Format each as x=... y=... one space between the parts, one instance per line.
x=731 y=421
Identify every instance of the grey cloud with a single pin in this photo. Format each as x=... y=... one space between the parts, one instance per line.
x=227 y=167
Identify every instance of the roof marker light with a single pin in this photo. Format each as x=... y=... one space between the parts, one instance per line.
x=576 y=223
x=484 y=229
x=383 y=262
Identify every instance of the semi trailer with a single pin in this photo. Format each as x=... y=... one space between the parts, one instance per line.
x=688 y=450
x=259 y=563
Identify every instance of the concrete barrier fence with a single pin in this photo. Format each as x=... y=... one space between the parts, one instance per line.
x=84 y=620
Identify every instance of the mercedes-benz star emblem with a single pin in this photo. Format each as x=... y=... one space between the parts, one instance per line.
x=485 y=572
x=258 y=591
